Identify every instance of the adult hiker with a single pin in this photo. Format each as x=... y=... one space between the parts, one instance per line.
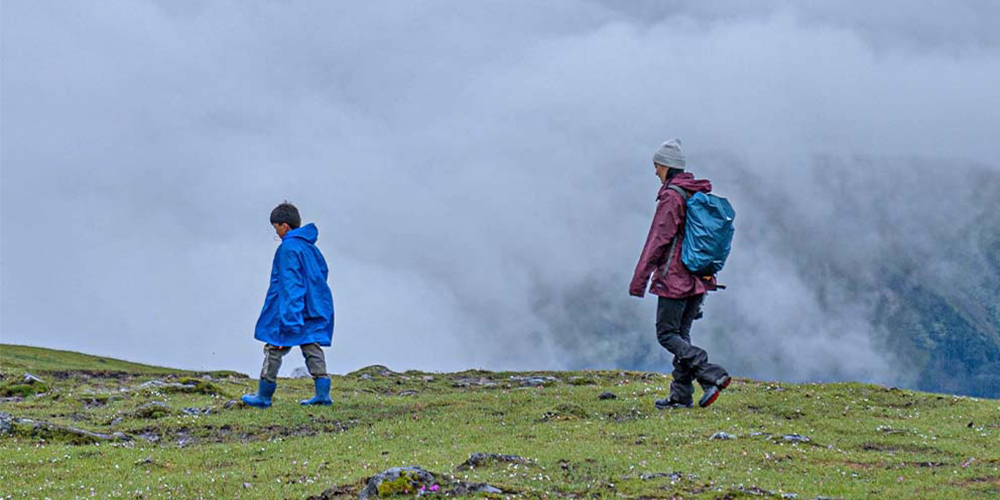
x=680 y=291
x=298 y=308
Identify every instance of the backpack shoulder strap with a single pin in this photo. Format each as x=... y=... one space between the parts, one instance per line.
x=673 y=242
x=679 y=190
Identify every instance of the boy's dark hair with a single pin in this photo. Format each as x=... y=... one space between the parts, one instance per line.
x=286 y=213
x=671 y=172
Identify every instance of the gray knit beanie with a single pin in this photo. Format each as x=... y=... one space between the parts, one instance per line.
x=670 y=155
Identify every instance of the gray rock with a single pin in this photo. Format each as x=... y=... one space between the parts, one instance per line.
x=722 y=435
x=607 y=395
x=472 y=488
x=12 y=399
x=71 y=433
x=795 y=438
x=756 y=491
x=427 y=378
x=533 y=381
x=415 y=476
x=408 y=393
x=301 y=372
x=152 y=384
x=373 y=371
x=184 y=439
x=229 y=404
x=479 y=459
x=6 y=423
x=153 y=409
x=422 y=481
x=31 y=379
x=789 y=496
x=465 y=383
x=159 y=384
x=197 y=411
x=150 y=436
x=674 y=476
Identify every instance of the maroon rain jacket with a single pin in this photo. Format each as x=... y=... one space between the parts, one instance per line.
x=668 y=221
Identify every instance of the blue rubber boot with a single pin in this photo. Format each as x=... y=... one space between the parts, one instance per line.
x=262 y=399
x=322 y=396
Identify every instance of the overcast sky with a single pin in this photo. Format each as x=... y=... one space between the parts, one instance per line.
x=480 y=172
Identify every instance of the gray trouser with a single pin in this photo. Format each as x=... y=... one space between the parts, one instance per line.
x=313 y=353
x=673 y=330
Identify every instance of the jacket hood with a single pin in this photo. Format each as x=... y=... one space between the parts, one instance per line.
x=687 y=182
x=307 y=232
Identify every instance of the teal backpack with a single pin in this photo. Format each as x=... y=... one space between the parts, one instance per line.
x=708 y=232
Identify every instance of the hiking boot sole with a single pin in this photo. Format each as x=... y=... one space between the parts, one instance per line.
x=705 y=403
x=713 y=392
x=673 y=406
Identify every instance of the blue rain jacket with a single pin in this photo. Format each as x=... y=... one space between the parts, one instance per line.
x=298 y=308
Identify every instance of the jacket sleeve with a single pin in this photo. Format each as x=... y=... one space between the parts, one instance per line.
x=291 y=291
x=662 y=230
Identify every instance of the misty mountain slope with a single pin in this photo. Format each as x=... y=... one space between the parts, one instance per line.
x=910 y=246
x=144 y=432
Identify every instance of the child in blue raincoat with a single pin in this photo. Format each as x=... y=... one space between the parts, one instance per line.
x=298 y=309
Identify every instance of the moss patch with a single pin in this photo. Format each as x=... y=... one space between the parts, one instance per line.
x=23 y=390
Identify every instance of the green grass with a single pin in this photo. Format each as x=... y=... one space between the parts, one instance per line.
x=867 y=441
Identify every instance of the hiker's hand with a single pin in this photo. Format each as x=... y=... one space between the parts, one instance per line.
x=637 y=292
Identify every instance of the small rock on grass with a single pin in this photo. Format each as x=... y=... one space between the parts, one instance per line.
x=796 y=438
x=607 y=395
x=722 y=435
x=479 y=459
x=56 y=431
x=31 y=379
x=6 y=422
x=674 y=476
x=533 y=381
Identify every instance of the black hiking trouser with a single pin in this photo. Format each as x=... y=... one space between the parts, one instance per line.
x=673 y=330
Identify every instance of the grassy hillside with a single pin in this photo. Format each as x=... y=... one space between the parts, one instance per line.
x=180 y=439
x=15 y=358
